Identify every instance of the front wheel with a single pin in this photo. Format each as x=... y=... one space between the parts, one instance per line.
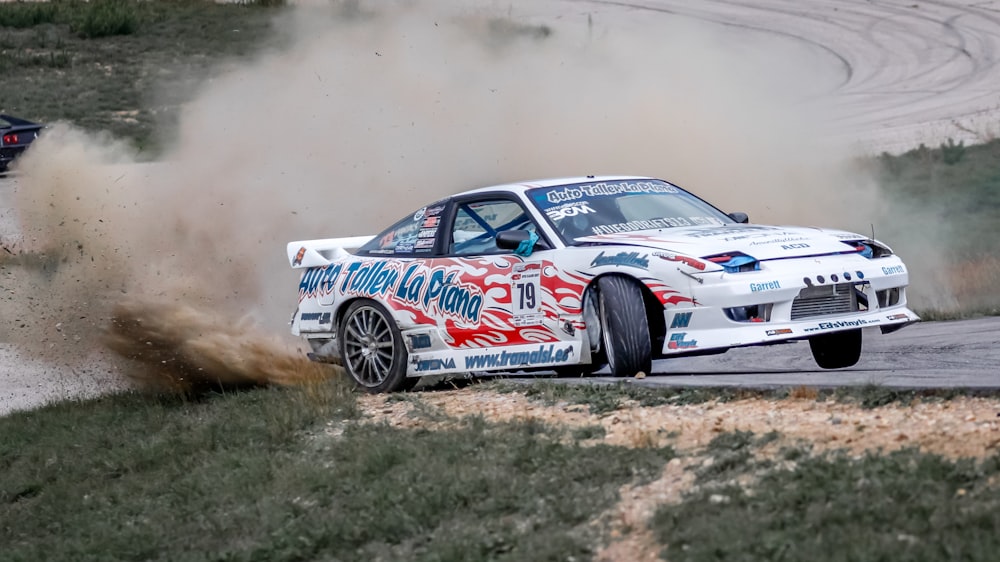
x=372 y=348
x=624 y=328
x=836 y=350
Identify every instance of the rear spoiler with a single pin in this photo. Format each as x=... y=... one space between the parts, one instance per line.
x=317 y=253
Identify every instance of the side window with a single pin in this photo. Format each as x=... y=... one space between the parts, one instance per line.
x=415 y=234
x=477 y=223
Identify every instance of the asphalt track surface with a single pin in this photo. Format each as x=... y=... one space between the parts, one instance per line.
x=901 y=73
x=958 y=354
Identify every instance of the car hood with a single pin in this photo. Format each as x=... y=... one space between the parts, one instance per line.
x=758 y=241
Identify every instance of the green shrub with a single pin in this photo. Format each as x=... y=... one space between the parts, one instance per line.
x=22 y=59
x=952 y=153
x=27 y=14
x=105 y=18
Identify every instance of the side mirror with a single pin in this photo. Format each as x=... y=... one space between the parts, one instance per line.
x=741 y=218
x=511 y=239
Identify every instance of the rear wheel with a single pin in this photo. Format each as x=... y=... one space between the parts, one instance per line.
x=836 y=350
x=624 y=328
x=372 y=348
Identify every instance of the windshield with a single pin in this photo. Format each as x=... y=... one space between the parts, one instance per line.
x=610 y=207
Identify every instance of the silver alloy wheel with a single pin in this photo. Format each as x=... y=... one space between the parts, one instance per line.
x=368 y=346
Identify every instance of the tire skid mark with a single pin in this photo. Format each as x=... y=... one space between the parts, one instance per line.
x=912 y=67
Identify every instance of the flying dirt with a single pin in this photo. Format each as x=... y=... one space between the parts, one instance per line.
x=173 y=273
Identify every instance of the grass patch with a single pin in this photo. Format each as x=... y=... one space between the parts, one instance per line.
x=20 y=15
x=124 y=66
x=106 y=18
x=902 y=506
x=875 y=396
x=731 y=454
x=604 y=398
x=253 y=476
x=589 y=432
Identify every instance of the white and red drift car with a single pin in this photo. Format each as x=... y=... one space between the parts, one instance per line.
x=574 y=274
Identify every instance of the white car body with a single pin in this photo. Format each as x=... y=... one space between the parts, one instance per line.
x=458 y=312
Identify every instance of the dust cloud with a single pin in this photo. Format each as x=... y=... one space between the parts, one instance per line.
x=373 y=109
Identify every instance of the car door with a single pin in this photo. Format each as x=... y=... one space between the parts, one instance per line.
x=490 y=297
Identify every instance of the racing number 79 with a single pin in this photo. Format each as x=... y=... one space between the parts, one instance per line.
x=527 y=295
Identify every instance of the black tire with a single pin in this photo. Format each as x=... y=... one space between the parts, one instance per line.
x=624 y=327
x=836 y=350
x=372 y=349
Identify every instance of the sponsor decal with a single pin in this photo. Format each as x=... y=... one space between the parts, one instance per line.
x=598 y=189
x=677 y=341
x=420 y=341
x=319 y=280
x=690 y=262
x=299 y=256
x=569 y=210
x=893 y=270
x=321 y=317
x=681 y=320
x=842 y=324
x=743 y=231
x=423 y=365
x=369 y=279
x=777 y=241
x=434 y=211
x=419 y=215
x=897 y=317
x=431 y=222
x=765 y=286
x=439 y=291
x=779 y=332
x=435 y=291
x=404 y=248
x=424 y=243
x=427 y=233
x=526 y=294
x=521 y=269
x=626 y=259
x=653 y=224
x=387 y=239
x=794 y=246
x=543 y=355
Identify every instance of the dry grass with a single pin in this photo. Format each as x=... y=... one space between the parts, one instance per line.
x=803 y=393
x=963 y=427
x=974 y=283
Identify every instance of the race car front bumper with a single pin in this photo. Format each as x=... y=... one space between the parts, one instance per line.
x=789 y=300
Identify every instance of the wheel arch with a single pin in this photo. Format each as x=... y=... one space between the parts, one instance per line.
x=342 y=306
x=654 y=309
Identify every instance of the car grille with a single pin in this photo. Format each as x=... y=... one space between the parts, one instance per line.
x=824 y=301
